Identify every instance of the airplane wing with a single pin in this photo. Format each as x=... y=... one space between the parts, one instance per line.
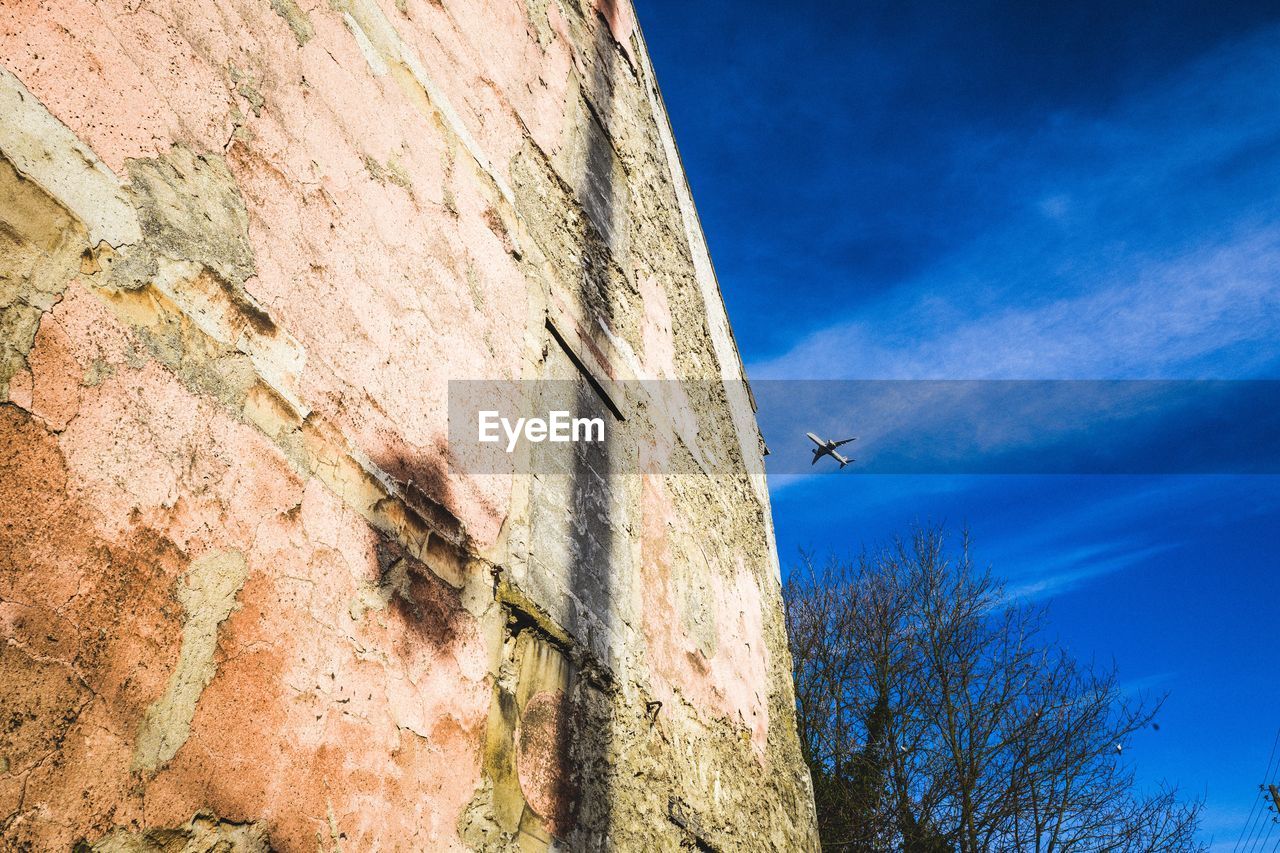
x=814 y=439
x=846 y=441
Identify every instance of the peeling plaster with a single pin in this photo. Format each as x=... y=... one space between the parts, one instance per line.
x=44 y=150
x=208 y=596
x=234 y=345
x=298 y=21
x=202 y=834
x=382 y=48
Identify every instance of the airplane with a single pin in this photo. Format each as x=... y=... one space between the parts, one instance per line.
x=828 y=448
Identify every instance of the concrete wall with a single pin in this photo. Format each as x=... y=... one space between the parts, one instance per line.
x=245 y=598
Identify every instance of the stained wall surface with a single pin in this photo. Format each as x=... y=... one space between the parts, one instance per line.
x=245 y=598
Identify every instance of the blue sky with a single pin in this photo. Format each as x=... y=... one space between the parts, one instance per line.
x=1069 y=190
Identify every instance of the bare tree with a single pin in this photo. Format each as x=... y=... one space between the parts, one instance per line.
x=935 y=716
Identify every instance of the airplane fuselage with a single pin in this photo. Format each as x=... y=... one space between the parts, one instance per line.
x=828 y=448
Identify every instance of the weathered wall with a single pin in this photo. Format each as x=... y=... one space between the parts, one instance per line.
x=244 y=598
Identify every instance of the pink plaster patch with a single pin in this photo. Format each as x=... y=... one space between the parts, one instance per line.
x=93 y=332
x=56 y=374
x=125 y=89
x=20 y=388
x=731 y=683
x=542 y=746
x=621 y=20
x=657 y=340
x=127 y=442
x=740 y=667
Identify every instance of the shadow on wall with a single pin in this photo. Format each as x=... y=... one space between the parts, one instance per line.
x=552 y=733
x=591 y=575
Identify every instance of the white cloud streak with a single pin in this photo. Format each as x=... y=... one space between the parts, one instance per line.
x=1096 y=280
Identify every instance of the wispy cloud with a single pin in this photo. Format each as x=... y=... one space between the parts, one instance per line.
x=1026 y=426
x=1146 y=683
x=1094 y=540
x=1145 y=249
x=1225 y=825
x=1154 y=319
x=1070 y=569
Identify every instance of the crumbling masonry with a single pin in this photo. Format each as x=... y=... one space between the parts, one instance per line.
x=246 y=601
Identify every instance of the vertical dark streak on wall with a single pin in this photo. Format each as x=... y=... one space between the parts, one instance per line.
x=591 y=573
